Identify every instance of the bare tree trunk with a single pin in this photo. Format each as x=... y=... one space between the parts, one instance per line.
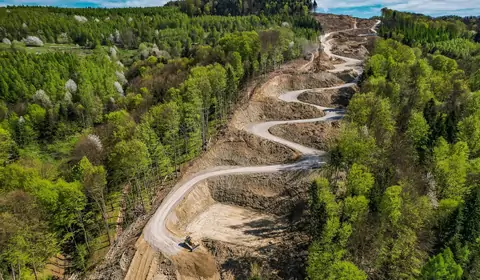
x=82 y=225
x=204 y=128
x=101 y=205
x=35 y=272
x=139 y=194
x=13 y=272
x=19 y=272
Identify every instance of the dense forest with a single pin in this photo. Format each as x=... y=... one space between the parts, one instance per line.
x=88 y=133
x=168 y=27
x=244 y=7
x=416 y=30
x=400 y=198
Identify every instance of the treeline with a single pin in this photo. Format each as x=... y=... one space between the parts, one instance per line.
x=244 y=7
x=172 y=30
x=456 y=48
x=451 y=36
x=472 y=23
x=408 y=204
x=83 y=137
x=416 y=30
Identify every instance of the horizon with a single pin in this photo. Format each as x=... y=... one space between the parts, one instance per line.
x=355 y=8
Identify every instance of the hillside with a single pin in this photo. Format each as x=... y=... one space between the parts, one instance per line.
x=100 y=109
x=287 y=145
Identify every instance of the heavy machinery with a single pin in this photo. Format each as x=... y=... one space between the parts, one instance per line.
x=190 y=243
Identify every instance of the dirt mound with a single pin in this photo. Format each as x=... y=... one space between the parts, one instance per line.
x=350 y=44
x=272 y=110
x=315 y=80
x=351 y=49
x=278 y=194
x=322 y=63
x=330 y=22
x=286 y=82
x=365 y=23
x=337 y=97
x=198 y=264
x=194 y=204
x=240 y=148
x=265 y=106
x=286 y=260
x=316 y=135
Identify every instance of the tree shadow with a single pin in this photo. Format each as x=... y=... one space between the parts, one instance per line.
x=239 y=267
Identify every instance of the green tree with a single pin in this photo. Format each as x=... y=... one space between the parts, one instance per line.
x=6 y=146
x=94 y=182
x=359 y=180
x=356 y=145
x=345 y=270
x=469 y=132
x=442 y=266
x=450 y=167
x=120 y=126
x=128 y=159
x=391 y=204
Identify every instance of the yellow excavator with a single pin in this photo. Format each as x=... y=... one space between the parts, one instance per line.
x=190 y=243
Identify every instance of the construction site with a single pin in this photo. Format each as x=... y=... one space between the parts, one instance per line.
x=243 y=204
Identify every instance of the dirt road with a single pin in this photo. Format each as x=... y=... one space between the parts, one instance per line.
x=156 y=232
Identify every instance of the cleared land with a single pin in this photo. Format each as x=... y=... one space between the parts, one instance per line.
x=255 y=218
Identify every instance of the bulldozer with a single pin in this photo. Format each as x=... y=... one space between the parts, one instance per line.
x=190 y=243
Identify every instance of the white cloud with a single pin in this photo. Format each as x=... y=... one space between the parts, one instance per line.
x=430 y=7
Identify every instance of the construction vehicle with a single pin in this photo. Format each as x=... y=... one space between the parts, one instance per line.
x=190 y=243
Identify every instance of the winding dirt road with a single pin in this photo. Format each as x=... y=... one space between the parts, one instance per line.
x=156 y=232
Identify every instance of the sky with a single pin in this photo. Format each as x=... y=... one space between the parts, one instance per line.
x=369 y=8
x=358 y=8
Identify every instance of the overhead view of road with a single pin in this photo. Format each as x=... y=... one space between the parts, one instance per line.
x=156 y=232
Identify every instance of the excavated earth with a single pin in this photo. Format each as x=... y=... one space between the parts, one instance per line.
x=349 y=44
x=331 y=22
x=319 y=135
x=339 y=98
x=247 y=219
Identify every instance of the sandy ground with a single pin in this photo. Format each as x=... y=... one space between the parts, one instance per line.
x=237 y=225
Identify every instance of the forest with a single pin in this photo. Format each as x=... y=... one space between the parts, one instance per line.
x=400 y=198
x=86 y=134
x=244 y=7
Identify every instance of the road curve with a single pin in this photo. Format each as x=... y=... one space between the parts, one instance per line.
x=156 y=232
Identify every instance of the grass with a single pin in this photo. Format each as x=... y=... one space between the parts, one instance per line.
x=51 y=47
x=48 y=47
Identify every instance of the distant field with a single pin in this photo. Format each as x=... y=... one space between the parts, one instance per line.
x=48 y=48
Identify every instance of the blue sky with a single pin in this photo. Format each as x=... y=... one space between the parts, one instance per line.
x=368 y=8
x=359 y=8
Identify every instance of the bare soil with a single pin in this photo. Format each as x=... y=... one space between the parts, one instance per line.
x=365 y=23
x=330 y=22
x=318 y=135
x=260 y=217
x=338 y=98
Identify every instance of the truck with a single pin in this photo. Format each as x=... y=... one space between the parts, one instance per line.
x=190 y=243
